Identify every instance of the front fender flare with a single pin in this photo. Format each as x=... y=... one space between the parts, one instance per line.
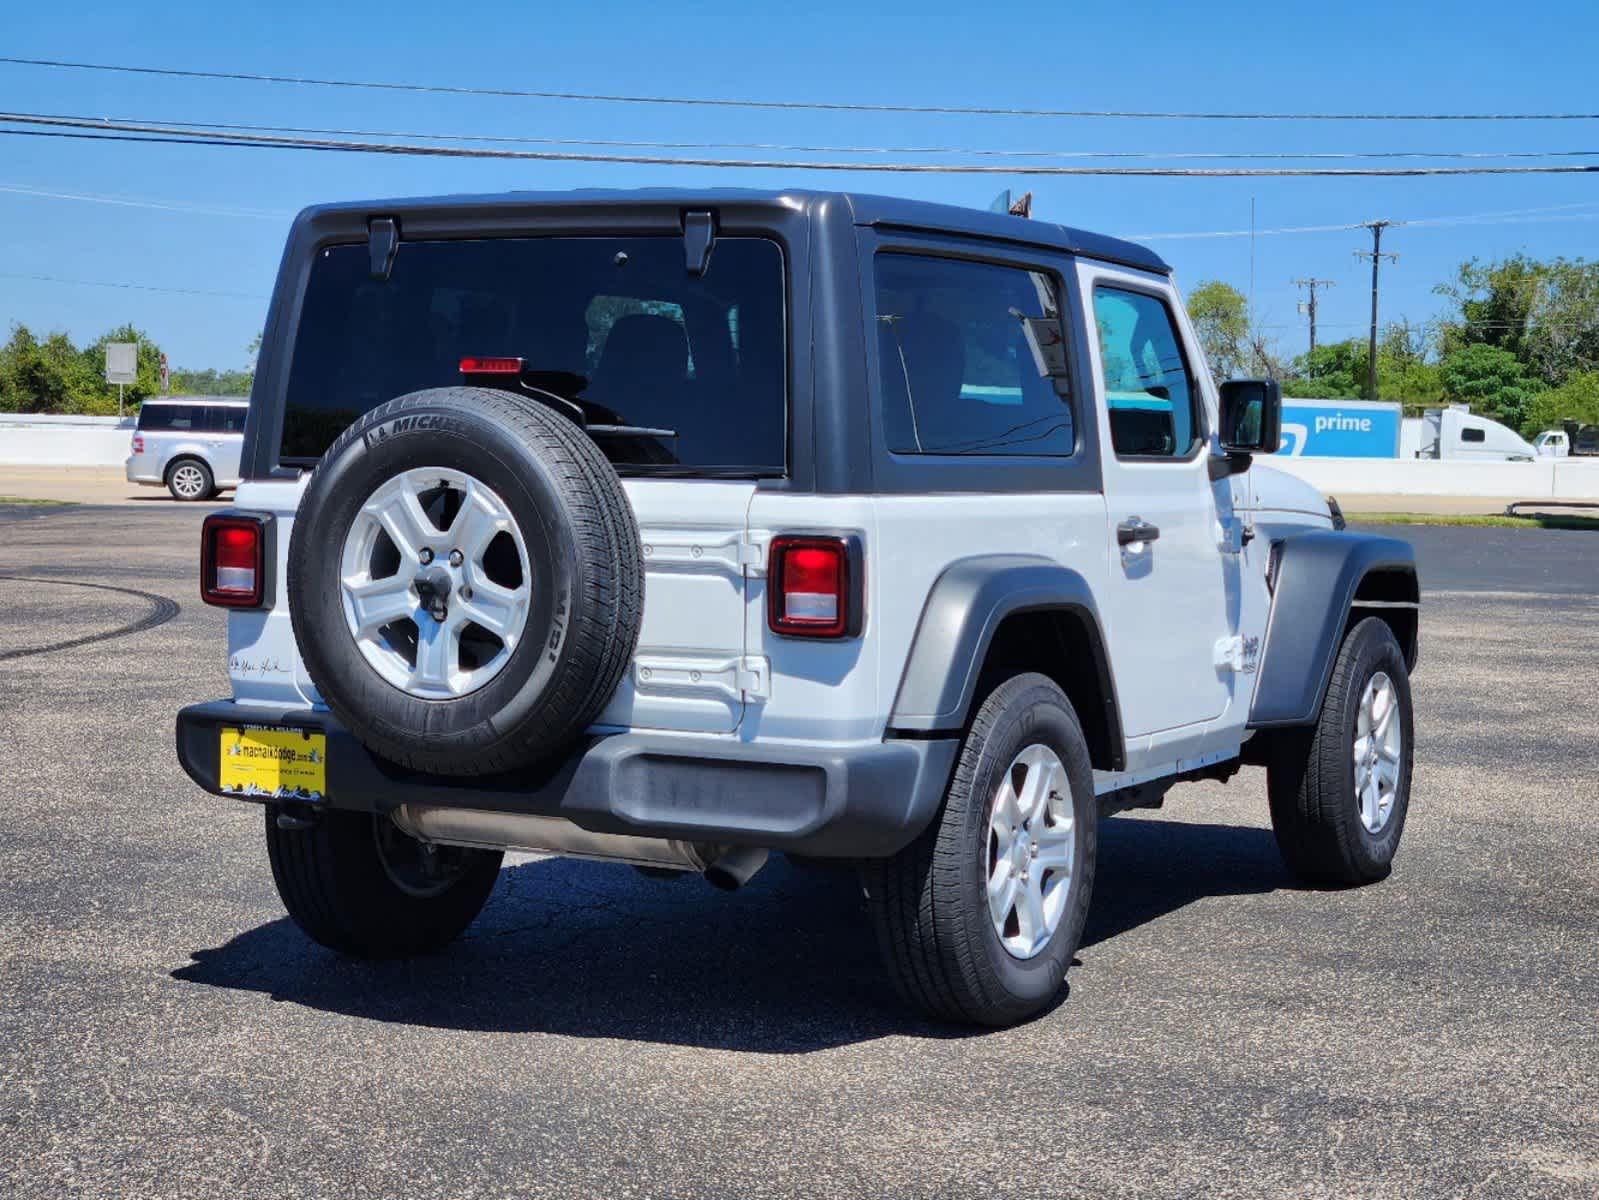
x=1317 y=577
x=966 y=605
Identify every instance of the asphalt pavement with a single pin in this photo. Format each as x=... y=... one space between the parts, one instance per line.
x=165 y=1031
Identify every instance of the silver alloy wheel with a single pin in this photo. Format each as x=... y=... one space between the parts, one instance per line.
x=1379 y=745
x=188 y=481
x=435 y=581
x=1032 y=840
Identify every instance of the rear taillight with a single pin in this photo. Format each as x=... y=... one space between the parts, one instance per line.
x=138 y=443
x=477 y=365
x=814 y=587
x=233 y=561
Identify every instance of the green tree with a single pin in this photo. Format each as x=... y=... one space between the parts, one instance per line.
x=209 y=382
x=1491 y=380
x=53 y=376
x=1545 y=313
x=1221 y=321
x=1575 y=400
x=44 y=376
x=1332 y=371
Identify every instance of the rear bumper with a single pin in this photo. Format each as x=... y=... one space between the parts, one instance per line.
x=829 y=801
x=141 y=468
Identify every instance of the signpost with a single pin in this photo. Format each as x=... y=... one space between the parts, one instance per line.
x=121 y=366
x=163 y=373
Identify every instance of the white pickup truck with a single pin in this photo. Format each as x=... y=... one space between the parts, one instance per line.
x=677 y=528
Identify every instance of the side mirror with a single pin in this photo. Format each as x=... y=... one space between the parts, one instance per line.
x=1251 y=416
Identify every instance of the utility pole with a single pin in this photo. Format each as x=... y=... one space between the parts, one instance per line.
x=1309 y=307
x=1376 y=255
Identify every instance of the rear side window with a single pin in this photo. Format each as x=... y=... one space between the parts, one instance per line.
x=958 y=375
x=1148 y=388
x=156 y=418
x=228 y=419
x=617 y=325
x=1473 y=435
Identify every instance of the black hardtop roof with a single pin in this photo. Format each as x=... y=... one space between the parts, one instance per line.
x=887 y=211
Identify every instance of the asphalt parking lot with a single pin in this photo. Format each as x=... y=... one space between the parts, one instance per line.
x=164 y=1030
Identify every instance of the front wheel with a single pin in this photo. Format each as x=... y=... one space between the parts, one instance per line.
x=979 y=917
x=1340 y=792
x=355 y=883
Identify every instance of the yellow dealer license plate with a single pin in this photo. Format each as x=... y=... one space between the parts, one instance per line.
x=286 y=763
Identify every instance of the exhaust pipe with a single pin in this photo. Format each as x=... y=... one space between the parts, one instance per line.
x=725 y=867
x=735 y=867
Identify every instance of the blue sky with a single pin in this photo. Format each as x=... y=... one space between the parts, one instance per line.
x=1394 y=56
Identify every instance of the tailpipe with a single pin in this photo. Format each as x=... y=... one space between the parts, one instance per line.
x=735 y=867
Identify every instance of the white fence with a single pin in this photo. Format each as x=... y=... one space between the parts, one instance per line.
x=1544 y=479
x=37 y=440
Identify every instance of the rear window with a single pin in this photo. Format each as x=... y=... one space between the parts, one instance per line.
x=618 y=325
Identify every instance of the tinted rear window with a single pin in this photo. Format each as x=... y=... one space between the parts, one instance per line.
x=618 y=325
x=157 y=417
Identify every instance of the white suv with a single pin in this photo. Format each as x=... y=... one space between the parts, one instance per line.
x=189 y=445
x=675 y=529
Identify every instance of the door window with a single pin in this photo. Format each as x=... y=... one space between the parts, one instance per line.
x=231 y=419
x=958 y=373
x=1149 y=391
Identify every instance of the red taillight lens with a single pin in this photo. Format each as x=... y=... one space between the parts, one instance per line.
x=810 y=587
x=232 y=561
x=491 y=366
x=138 y=443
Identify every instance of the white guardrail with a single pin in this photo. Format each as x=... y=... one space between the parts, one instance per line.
x=40 y=440
x=55 y=441
x=1542 y=479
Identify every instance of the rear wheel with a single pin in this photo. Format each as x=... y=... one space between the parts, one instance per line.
x=190 y=479
x=1340 y=792
x=355 y=883
x=979 y=917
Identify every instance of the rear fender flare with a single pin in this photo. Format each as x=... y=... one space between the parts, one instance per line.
x=964 y=608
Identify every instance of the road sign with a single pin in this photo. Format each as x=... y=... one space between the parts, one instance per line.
x=163 y=374
x=121 y=362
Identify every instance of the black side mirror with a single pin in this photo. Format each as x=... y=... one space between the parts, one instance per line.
x=1251 y=416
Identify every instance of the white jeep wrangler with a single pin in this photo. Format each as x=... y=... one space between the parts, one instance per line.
x=677 y=528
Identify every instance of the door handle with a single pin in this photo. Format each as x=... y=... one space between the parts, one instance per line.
x=1134 y=530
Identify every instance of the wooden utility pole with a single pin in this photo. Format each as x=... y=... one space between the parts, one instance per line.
x=1309 y=307
x=1376 y=255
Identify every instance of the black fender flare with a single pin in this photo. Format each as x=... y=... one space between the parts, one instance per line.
x=965 y=606
x=1316 y=578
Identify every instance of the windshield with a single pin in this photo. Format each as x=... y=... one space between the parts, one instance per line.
x=617 y=325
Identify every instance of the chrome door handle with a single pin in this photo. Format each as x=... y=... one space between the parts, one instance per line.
x=1134 y=530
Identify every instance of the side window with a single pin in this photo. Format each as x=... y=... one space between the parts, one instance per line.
x=1473 y=435
x=160 y=417
x=1149 y=392
x=232 y=419
x=958 y=373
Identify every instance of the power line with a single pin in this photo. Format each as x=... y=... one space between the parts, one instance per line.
x=787 y=105
x=91 y=129
x=136 y=202
x=1552 y=212
x=138 y=287
x=804 y=148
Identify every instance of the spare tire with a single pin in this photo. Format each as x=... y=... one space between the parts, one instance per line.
x=465 y=581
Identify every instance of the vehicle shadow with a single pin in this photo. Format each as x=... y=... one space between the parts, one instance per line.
x=787 y=965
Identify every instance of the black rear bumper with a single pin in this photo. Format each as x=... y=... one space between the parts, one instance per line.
x=843 y=802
